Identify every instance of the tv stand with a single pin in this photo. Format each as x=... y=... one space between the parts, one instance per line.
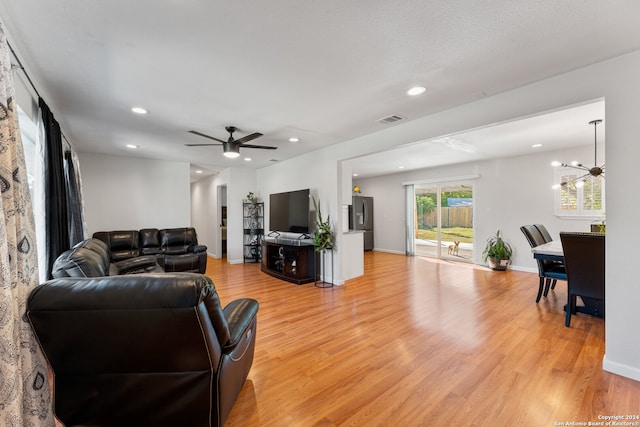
x=286 y=260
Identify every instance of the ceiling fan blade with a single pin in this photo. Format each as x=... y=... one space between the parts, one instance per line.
x=248 y=138
x=264 y=147
x=203 y=145
x=195 y=132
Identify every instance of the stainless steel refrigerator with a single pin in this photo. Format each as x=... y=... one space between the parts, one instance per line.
x=361 y=218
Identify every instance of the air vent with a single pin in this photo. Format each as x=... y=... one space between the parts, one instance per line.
x=273 y=160
x=390 y=119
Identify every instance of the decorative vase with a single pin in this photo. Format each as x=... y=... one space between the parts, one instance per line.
x=498 y=264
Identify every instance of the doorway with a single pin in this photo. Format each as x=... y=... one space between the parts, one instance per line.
x=222 y=214
x=443 y=225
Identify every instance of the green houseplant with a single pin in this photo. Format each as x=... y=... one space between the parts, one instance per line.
x=497 y=252
x=323 y=236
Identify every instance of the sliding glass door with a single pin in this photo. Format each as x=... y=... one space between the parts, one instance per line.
x=443 y=224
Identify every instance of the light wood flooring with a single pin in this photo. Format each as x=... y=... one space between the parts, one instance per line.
x=420 y=342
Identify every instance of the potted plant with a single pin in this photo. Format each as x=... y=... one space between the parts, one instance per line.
x=251 y=198
x=599 y=227
x=323 y=236
x=497 y=252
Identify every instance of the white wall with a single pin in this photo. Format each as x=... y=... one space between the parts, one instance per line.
x=205 y=215
x=317 y=171
x=125 y=193
x=615 y=81
x=508 y=193
x=239 y=182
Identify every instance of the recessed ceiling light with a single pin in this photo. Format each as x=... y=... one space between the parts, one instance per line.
x=198 y=171
x=294 y=139
x=536 y=146
x=139 y=110
x=132 y=146
x=416 y=90
x=247 y=159
x=355 y=174
x=400 y=167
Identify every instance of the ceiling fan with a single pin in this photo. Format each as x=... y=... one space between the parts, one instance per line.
x=231 y=146
x=595 y=171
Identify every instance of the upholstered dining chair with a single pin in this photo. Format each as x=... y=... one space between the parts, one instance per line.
x=545 y=233
x=549 y=271
x=584 y=261
x=547 y=238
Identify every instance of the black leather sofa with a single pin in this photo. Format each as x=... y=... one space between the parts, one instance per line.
x=143 y=349
x=176 y=249
x=91 y=258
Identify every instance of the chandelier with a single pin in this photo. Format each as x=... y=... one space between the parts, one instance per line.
x=594 y=171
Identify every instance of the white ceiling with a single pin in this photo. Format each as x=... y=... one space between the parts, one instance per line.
x=324 y=72
x=549 y=131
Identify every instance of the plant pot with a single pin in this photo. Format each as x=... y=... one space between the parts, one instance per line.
x=498 y=264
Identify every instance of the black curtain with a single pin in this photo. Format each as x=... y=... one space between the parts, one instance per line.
x=57 y=229
x=74 y=203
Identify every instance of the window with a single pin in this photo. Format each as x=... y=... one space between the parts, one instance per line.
x=34 y=163
x=28 y=133
x=582 y=198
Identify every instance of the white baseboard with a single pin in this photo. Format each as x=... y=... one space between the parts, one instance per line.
x=525 y=269
x=620 y=369
x=389 y=251
x=236 y=261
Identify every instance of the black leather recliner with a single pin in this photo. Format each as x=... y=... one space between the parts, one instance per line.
x=143 y=350
x=181 y=250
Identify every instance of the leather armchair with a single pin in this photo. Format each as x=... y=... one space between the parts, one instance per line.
x=92 y=258
x=146 y=349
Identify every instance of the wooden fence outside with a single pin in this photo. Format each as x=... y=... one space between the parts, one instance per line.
x=451 y=217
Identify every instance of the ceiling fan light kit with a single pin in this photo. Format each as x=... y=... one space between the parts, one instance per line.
x=231 y=147
x=595 y=171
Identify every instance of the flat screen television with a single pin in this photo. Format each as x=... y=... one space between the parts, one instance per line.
x=289 y=211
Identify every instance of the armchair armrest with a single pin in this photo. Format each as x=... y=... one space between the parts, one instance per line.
x=197 y=248
x=240 y=315
x=138 y=264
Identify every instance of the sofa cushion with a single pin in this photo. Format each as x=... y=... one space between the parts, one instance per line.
x=123 y=244
x=182 y=262
x=177 y=240
x=150 y=241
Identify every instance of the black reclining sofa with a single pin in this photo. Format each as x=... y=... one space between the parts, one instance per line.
x=176 y=249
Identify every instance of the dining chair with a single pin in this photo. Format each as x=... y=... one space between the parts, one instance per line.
x=584 y=260
x=547 y=238
x=545 y=233
x=549 y=271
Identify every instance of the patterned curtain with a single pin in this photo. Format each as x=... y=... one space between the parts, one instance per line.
x=24 y=387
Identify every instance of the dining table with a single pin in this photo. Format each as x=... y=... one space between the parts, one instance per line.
x=550 y=251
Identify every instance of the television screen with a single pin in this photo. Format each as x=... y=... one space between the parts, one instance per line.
x=289 y=212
